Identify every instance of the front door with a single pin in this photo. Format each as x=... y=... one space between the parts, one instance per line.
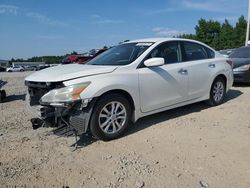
x=164 y=85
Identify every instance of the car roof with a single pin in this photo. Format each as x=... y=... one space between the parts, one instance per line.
x=154 y=40
x=243 y=47
x=160 y=40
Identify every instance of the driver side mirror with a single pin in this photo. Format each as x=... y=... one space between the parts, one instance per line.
x=154 y=62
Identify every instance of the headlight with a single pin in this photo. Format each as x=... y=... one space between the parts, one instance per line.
x=243 y=68
x=66 y=94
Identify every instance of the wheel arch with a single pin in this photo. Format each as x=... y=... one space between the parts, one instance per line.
x=223 y=76
x=211 y=101
x=219 y=75
x=122 y=92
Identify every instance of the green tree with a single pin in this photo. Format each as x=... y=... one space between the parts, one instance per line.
x=226 y=36
x=220 y=36
x=240 y=32
x=188 y=36
x=208 y=32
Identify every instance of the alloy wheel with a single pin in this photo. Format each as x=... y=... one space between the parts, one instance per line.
x=112 y=117
x=218 y=91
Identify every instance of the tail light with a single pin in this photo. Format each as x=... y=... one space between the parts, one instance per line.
x=230 y=63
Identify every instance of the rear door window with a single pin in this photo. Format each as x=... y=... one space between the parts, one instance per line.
x=193 y=51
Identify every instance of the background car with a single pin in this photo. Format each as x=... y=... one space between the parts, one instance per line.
x=29 y=68
x=41 y=67
x=2 y=69
x=227 y=52
x=83 y=58
x=241 y=63
x=15 y=68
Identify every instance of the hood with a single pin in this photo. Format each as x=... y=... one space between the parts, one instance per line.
x=238 y=62
x=67 y=72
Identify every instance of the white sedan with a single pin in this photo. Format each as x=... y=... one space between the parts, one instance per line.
x=127 y=82
x=15 y=69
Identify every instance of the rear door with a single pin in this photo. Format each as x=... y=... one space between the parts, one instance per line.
x=201 y=68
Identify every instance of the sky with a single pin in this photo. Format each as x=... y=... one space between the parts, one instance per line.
x=55 y=27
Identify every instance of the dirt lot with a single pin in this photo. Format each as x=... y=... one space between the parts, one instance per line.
x=177 y=148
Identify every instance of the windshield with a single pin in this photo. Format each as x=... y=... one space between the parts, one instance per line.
x=241 y=53
x=123 y=54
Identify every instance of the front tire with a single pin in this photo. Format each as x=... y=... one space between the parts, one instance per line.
x=2 y=95
x=217 y=92
x=111 y=117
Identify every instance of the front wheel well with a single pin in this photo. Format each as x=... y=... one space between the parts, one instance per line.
x=124 y=93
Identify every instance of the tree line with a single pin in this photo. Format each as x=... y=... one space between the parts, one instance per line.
x=46 y=59
x=218 y=35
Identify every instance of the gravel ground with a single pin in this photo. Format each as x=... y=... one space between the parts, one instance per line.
x=192 y=146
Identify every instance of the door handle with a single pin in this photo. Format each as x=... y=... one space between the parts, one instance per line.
x=212 y=65
x=183 y=71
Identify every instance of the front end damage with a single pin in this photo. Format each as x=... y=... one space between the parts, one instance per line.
x=72 y=115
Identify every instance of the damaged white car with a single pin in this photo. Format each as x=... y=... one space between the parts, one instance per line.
x=127 y=82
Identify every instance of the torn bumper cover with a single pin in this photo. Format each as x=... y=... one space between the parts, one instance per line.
x=75 y=115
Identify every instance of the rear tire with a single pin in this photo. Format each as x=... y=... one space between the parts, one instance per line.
x=111 y=117
x=217 y=92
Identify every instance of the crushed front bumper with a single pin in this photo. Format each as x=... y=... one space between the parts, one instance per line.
x=75 y=116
